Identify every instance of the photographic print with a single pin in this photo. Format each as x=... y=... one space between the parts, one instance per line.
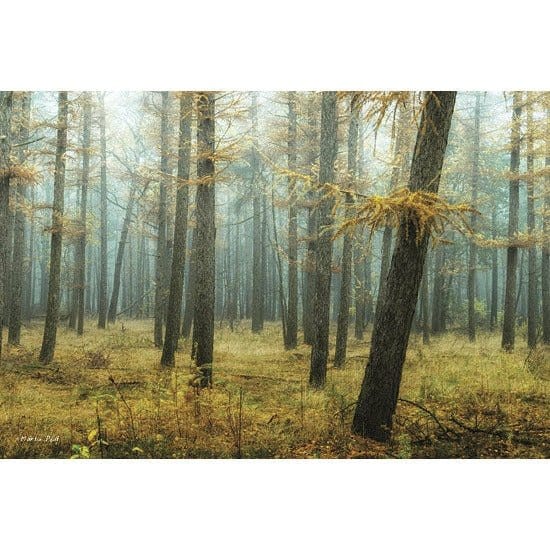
x=255 y=274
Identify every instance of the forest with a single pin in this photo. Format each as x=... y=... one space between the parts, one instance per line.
x=301 y=274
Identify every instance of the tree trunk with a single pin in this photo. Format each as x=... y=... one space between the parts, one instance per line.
x=345 y=288
x=102 y=299
x=180 y=233
x=545 y=277
x=472 y=256
x=161 y=255
x=257 y=281
x=494 y=272
x=18 y=260
x=54 y=279
x=380 y=388
x=113 y=306
x=291 y=337
x=81 y=264
x=323 y=257
x=509 y=323
x=203 y=333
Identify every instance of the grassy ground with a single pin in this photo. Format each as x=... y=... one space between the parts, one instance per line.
x=106 y=396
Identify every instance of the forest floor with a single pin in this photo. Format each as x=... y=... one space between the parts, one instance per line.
x=105 y=395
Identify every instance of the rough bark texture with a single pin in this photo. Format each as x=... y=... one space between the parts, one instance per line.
x=52 y=309
x=380 y=388
x=472 y=255
x=510 y=295
x=323 y=257
x=18 y=258
x=545 y=277
x=345 y=287
x=6 y=105
x=180 y=234
x=81 y=263
x=203 y=332
x=532 y=259
x=257 y=279
x=291 y=339
x=102 y=299
x=161 y=255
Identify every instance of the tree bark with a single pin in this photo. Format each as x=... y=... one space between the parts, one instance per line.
x=380 y=388
x=545 y=276
x=180 y=234
x=54 y=279
x=323 y=257
x=472 y=255
x=203 y=333
x=509 y=323
x=347 y=252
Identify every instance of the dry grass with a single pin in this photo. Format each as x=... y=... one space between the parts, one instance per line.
x=105 y=395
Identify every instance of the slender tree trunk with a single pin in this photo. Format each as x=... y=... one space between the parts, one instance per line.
x=545 y=277
x=52 y=311
x=472 y=256
x=180 y=233
x=323 y=257
x=113 y=306
x=345 y=288
x=509 y=324
x=102 y=300
x=425 y=304
x=81 y=264
x=380 y=388
x=203 y=333
x=291 y=337
x=532 y=260
x=494 y=272
x=18 y=261
x=6 y=106
x=190 y=290
x=161 y=256
x=257 y=282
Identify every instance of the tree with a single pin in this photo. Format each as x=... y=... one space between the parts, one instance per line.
x=257 y=252
x=52 y=311
x=161 y=255
x=102 y=299
x=380 y=387
x=345 y=288
x=18 y=258
x=81 y=261
x=532 y=259
x=291 y=336
x=510 y=295
x=323 y=253
x=6 y=105
x=472 y=256
x=205 y=253
x=180 y=233
x=545 y=276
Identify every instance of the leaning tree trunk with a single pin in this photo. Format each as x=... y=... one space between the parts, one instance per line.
x=291 y=335
x=54 y=280
x=509 y=323
x=161 y=256
x=6 y=104
x=173 y=316
x=18 y=261
x=113 y=306
x=472 y=256
x=347 y=252
x=81 y=264
x=380 y=388
x=205 y=253
x=323 y=257
x=102 y=301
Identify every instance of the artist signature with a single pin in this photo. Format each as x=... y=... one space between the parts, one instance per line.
x=38 y=438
